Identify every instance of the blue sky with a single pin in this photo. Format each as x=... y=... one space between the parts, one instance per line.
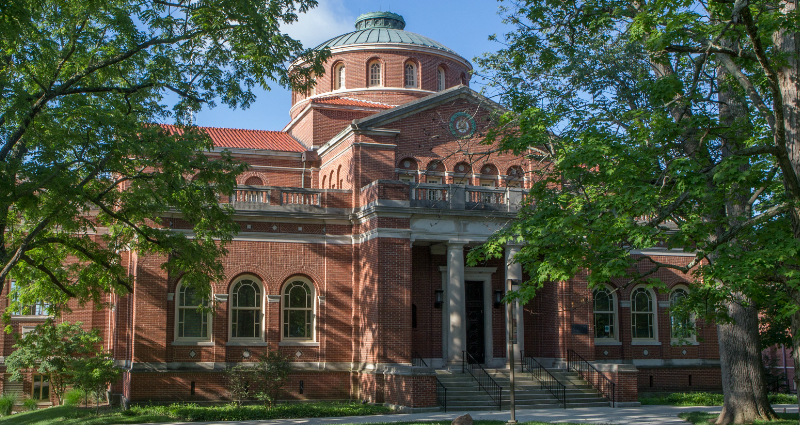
x=463 y=26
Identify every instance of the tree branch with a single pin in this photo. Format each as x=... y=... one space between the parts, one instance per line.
x=49 y=274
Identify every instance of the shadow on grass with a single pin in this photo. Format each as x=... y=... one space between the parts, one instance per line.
x=70 y=415
x=703 y=418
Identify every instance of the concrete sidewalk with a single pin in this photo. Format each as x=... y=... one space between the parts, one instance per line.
x=594 y=415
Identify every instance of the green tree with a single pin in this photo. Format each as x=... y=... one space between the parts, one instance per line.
x=93 y=375
x=269 y=376
x=52 y=350
x=85 y=171
x=661 y=124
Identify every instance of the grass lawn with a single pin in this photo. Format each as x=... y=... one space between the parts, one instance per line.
x=702 y=418
x=70 y=415
x=705 y=399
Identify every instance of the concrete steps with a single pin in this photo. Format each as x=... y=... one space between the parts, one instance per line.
x=464 y=394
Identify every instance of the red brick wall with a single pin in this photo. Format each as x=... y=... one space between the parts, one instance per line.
x=677 y=379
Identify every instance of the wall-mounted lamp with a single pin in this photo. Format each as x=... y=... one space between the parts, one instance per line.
x=498 y=299
x=438 y=300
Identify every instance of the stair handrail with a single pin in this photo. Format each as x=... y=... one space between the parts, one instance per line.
x=417 y=358
x=590 y=374
x=485 y=382
x=441 y=394
x=545 y=378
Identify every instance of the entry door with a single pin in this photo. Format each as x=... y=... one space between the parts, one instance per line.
x=474 y=309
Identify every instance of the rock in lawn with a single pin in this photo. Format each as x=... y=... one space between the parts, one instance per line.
x=463 y=420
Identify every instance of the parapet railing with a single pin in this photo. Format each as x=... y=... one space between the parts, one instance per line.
x=255 y=195
x=479 y=374
x=546 y=379
x=460 y=197
x=594 y=377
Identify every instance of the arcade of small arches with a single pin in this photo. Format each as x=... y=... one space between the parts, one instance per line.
x=376 y=68
x=247 y=300
x=462 y=173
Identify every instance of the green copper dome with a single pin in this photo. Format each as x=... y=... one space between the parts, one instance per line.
x=382 y=27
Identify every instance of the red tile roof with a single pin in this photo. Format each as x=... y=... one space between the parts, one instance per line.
x=249 y=139
x=348 y=101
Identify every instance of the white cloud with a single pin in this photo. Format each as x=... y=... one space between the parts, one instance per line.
x=329 y=19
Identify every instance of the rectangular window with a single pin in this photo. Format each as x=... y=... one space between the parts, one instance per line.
x=39 y=308
x=40 y=390
x=642 y=325
x=406 y=178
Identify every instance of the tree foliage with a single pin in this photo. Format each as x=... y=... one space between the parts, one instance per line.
x=86 y=172
x=658 y=124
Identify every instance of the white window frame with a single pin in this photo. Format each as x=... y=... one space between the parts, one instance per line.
x=233 y=299
x=441 y=79
x=38 y=309
x=692 y=338
x=339 y=73
x=653 y=314
x=179 y=296
x=613 y=312
x=284 y=309
x=374 y=79
x=410 y=75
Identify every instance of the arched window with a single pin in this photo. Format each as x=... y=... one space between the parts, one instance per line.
x=246 y=304
x=298 y=310
x=375 y=74
x=339 y=177
x=681 y=323
x=642 y=314
x=604 y=314
x=463 y=79
x=331 y=182
x=324 y=180
x=191 y=322
x=338 y=77
x=440 y=79
x=411 y=75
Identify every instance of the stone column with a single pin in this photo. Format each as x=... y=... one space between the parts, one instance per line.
x=514 y=271
x=455 y=295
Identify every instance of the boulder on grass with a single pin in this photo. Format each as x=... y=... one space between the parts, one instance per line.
x=463 y=420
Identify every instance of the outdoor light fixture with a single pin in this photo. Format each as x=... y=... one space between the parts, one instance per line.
x=498 y=298
x=438 y=302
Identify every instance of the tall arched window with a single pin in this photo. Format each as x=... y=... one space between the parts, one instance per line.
x=298 y=310
x=338 y=77
x=463 y=79
x=440 y=79
x=246 y=304
x=191 y=322
x=604 y=314
x=375 y=74
x=681 y=324
x=642 y=314
x=411 y=75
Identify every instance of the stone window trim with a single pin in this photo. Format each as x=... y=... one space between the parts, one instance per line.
x=182 y=309
x=690 y=337
x=307 y=309
x=644 y=314
x=235 y=306
x=611 y=314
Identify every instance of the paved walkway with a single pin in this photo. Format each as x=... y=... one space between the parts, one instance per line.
x=593 y=415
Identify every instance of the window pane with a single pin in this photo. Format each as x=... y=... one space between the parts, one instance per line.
x=602 y=301
x=604 y=325
x=297 y=324
x=192 y=323
x=248 y=295
x=297 y=296
x=246 y=325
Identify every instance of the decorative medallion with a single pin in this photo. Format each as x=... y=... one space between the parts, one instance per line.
x=605 y=353
x=462 y=125
x=683 y=352
x=192 y=353
x=460 y=168
x=406 y=164
x=646 y=352
x=274 y=227
x=298 y=354
x=246 y=354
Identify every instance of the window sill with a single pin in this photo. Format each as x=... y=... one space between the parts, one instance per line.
x=247 y=344
x=30 y=318
x=598 y=342
x=683 y=343
x=193 y=343
x=298 y=344
x=646 y=342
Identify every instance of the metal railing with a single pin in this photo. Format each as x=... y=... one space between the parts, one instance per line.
x=485 y=382
x=441 y=394
x=590 y=374
x=546 y=379
x=417 y=360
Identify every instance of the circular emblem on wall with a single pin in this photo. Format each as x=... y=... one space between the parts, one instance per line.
x=462 y=125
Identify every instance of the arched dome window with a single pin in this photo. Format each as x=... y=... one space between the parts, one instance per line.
x=440 y=79
x=375 y=74
x=411 y=75
x=338 y=77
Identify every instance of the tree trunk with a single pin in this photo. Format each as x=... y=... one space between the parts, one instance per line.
x=796 y=343
x=743 y=381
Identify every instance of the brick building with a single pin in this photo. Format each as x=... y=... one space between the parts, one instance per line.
x=355 y=223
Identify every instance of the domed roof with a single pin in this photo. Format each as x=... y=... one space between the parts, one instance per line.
x=382 y=27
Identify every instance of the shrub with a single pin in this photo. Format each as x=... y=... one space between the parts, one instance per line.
x=239 y=379
x=270 y=375
x=29 y=404
x=7 y=404
x=73 y=397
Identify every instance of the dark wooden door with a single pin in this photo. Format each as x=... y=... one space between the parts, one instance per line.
x=474 y=312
